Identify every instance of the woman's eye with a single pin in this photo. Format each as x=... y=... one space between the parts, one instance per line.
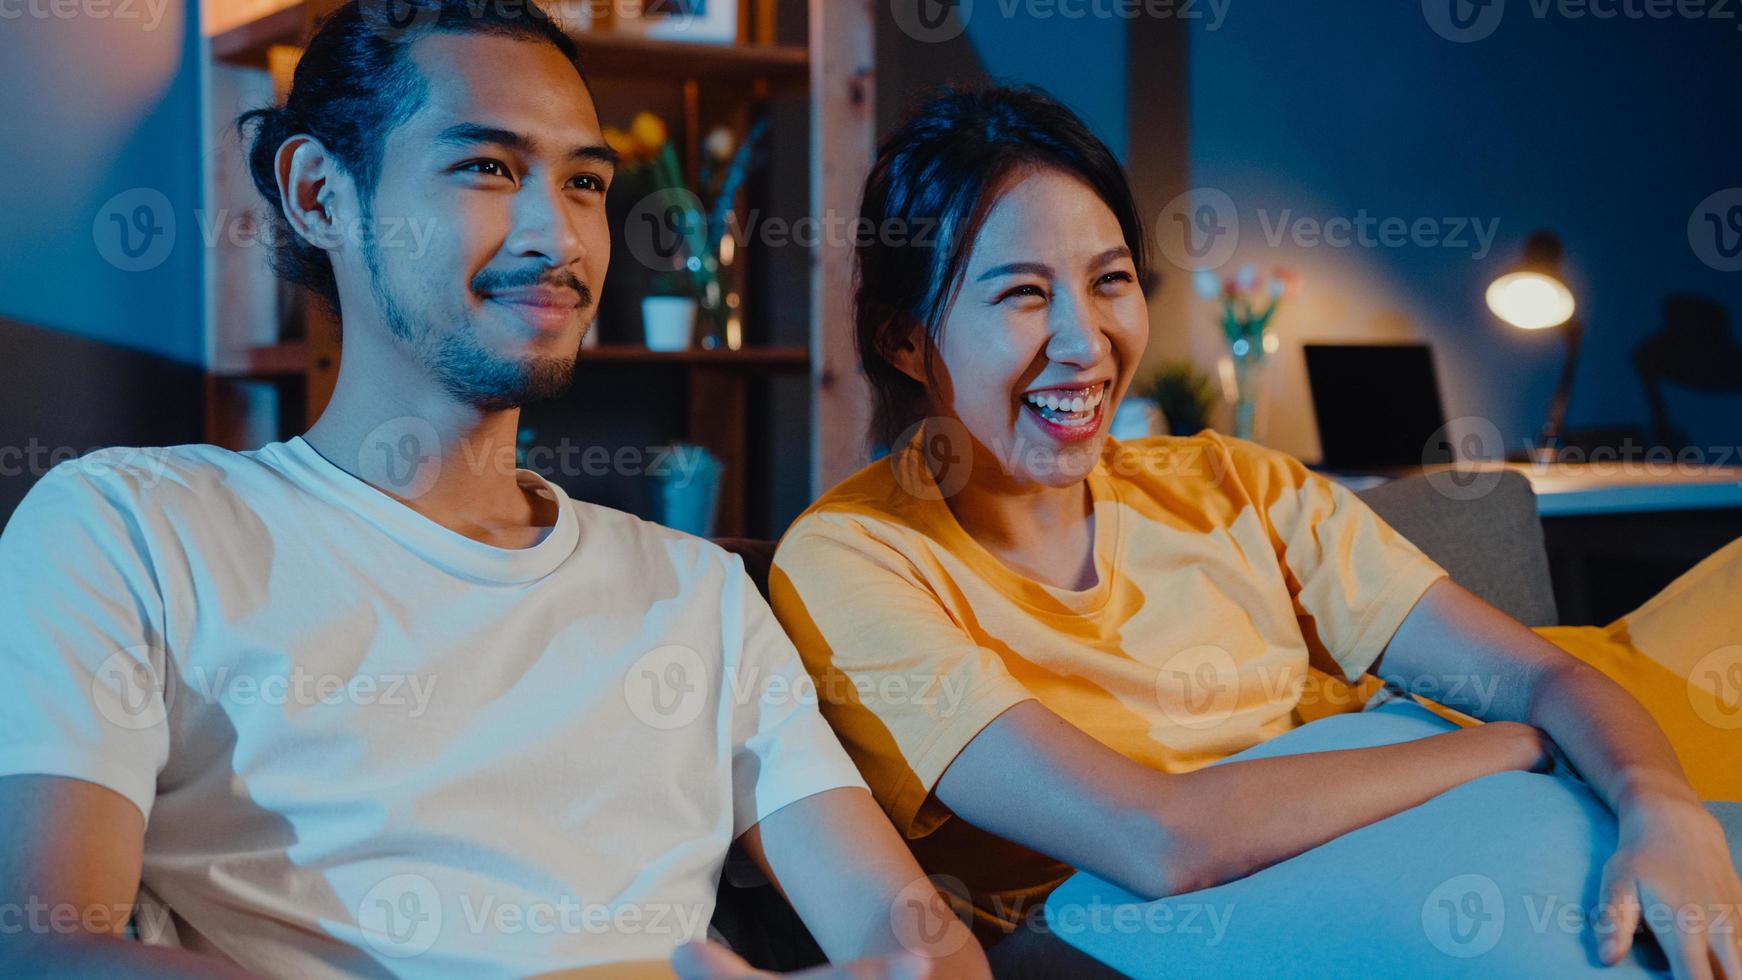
x=1116 y=277
x=1026 y=290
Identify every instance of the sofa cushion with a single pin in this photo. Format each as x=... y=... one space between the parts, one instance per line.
x=1485 y=534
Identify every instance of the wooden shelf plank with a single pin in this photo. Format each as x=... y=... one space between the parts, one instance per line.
x=272 y=360
x=246 y=44
x=767 y=358
x=622 y=55
x=603 y=53
x=292 y=358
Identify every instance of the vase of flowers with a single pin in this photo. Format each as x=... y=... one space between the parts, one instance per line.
x=1247 y=305
x=691 y=228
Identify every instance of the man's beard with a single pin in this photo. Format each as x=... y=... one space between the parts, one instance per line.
x=470 y=374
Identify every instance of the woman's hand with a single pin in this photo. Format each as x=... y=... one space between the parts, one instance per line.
x=1520 y=746
x=1672 y=868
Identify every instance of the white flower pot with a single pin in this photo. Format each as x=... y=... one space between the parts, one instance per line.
x=670 y=321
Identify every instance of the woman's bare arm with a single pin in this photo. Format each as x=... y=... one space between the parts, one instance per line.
x=1671 y=855
x=1034 y=778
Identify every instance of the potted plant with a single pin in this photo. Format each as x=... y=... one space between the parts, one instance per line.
x=681 y=231
x=1185 y=396
x=668 y=313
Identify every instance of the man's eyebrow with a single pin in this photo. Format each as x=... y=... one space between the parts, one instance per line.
x=472 y=134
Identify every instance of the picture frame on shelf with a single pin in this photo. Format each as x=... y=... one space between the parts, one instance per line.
x=573 y=16
x=696 y=21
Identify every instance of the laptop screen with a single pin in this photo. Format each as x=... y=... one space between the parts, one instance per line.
x=1378 y=405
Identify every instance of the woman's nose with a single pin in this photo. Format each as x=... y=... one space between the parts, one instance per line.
x=1077 y=340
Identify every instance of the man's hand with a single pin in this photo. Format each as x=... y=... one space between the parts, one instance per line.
x=1672 y=868
x=711 y=961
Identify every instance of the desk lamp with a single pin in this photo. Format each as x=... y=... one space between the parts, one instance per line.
x=1534 y=296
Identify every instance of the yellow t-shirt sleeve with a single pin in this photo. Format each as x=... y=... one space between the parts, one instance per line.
x=903 y=684
x=1353 y=578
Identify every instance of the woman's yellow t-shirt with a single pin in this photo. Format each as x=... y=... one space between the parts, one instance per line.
x=1237 y=592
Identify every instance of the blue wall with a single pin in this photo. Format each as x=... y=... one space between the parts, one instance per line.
x=1080 y=61
x=1611 y=132
x=91 y=107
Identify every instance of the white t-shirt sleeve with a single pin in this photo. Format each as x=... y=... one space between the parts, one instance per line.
x=782 y=749
x=82 y=645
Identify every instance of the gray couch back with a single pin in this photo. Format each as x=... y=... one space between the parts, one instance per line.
x=1488 y=538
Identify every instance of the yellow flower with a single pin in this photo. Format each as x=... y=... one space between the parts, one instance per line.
x=649 y=131
x=623 y=143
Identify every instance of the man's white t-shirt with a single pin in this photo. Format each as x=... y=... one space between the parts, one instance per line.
x=368 y=745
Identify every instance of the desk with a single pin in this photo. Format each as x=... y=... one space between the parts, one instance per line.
x=1575 y=489
x=1618 y=531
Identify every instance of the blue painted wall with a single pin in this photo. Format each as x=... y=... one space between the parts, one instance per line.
x=1080 y=60
x=92 y=106
x=1610 y=131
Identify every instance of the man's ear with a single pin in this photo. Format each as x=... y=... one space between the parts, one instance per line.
x=314 y=193
x=901 y=346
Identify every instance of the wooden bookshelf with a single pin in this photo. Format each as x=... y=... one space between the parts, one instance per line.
x=603 y=53
x=746 y=358
x=833 y=71
x=269 y=361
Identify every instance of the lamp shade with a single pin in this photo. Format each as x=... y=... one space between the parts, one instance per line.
x=1531 y=300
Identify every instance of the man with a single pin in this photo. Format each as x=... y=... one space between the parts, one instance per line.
x=373 y=701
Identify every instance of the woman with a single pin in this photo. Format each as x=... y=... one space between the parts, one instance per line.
x=1033 y=639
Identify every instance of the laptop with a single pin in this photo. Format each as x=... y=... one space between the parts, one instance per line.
x=1378 y=407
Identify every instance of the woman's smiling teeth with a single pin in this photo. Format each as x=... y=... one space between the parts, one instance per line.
x=1066 y=405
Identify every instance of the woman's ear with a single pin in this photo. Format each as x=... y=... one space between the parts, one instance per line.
x=900 y=345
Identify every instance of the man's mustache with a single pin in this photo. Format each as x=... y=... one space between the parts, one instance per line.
x=487 y=283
